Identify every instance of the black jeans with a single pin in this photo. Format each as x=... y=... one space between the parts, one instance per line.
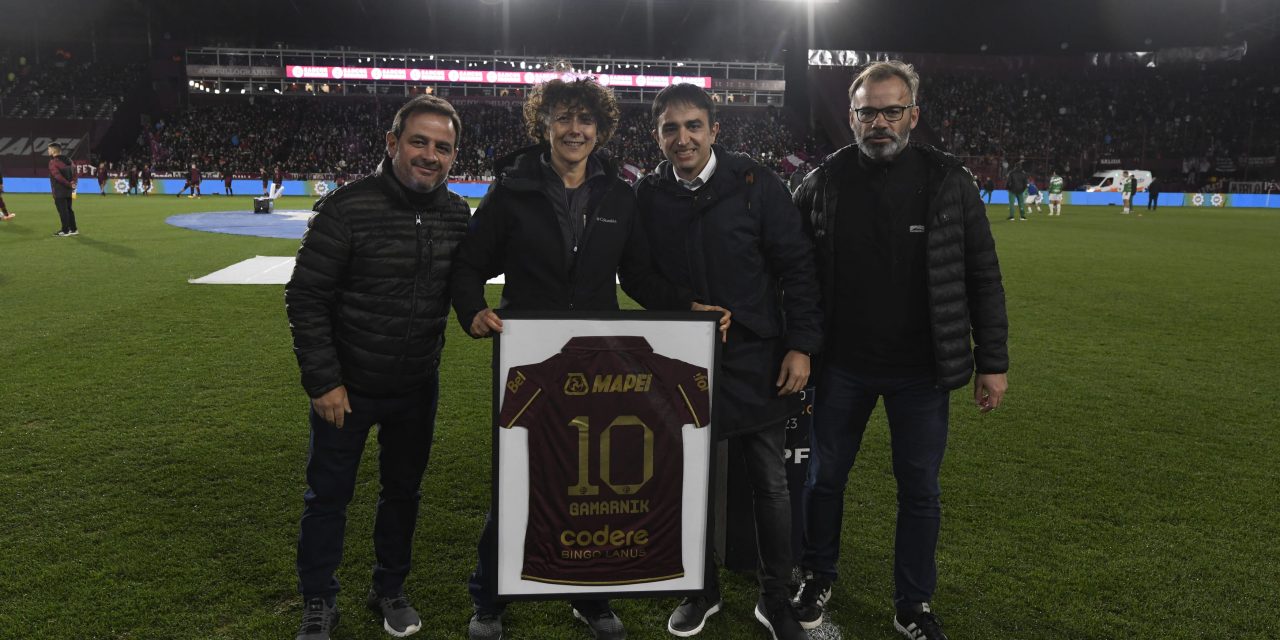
x=764 y=452
x=405 y=428
x=918 y=415
x=65 y=213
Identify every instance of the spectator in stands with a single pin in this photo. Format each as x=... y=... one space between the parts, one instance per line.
x=907 y=334
x=62 y=179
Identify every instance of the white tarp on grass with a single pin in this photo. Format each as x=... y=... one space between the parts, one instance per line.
x=264 y=270
x=255 y=270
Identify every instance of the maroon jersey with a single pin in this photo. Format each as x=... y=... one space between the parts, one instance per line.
x=193 y=176
x=102 y=173
x=606 y=459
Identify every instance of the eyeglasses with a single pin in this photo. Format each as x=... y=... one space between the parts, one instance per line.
x=891 y=114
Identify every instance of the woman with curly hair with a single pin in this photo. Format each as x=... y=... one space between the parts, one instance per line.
x=559 y=223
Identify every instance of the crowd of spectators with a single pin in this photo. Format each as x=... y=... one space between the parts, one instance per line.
x=63 y=88
x=1183 y=114
x=329 y=136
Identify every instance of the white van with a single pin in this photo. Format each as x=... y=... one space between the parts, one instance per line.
x=1110 y=180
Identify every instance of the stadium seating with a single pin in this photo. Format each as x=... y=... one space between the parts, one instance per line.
x=63 y=89
x=327 y=135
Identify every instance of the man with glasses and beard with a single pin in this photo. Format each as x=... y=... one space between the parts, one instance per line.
x=913 y=303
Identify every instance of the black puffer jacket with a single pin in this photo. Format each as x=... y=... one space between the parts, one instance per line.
x=369 y=295
x=966 y=296
x=516 y=232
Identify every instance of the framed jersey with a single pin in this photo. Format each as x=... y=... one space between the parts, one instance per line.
x=602 y=456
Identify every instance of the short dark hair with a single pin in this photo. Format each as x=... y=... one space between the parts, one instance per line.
x=884 y=70
x=686 y=94
x=426 y=103
x=582 y=93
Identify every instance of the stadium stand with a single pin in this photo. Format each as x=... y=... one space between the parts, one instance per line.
x=328 y=135
x=63 y=88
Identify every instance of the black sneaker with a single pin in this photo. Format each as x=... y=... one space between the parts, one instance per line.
x=777 y=616
x=318 y=620
x=811 y=602
x=398 y=616
x=691 y=614
x=603 y=622
x=485 y=625
x=918 y=622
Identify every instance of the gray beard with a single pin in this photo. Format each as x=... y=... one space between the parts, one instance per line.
x=884 y=151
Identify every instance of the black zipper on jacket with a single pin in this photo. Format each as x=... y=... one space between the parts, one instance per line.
x=417 y=267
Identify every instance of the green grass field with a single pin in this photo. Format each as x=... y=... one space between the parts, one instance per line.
x=153 y=437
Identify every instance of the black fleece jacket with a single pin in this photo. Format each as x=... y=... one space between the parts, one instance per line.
x=516 y=231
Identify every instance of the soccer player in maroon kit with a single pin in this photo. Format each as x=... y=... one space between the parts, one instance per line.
x=131 y=176
x=277 y=189
x=62 y=180
x=101 y=174
x=193 y=182
x=4 y=211
x=226 y=180
x=146 y=179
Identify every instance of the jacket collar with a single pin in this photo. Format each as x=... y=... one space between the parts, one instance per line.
x=730 y=169
x=522 y=170
x=607 y=343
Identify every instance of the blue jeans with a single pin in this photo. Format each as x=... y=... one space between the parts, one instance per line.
x=917 y=410
x=405 y=428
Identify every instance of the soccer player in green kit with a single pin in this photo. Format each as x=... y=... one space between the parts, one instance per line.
x=1055 y=194
x=1126 y=191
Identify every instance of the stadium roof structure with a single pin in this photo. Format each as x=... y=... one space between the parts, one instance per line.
x=235 y=70
x=749 y=30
